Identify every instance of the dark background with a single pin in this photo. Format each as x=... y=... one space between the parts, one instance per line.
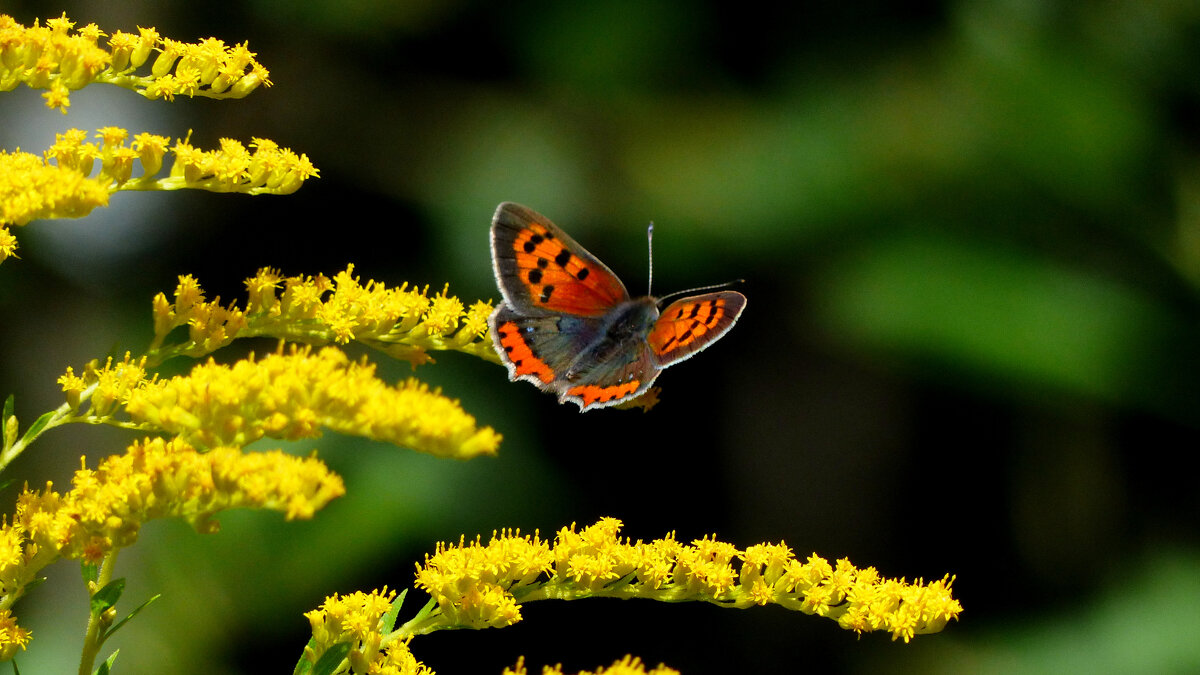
x=970 y=234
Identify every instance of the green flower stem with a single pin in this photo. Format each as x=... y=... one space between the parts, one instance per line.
x=151 y=184
x=624 y=589
x=97 y=623
x=61 y=416
x=141 y=83
x=426 y=621
x=65 y=414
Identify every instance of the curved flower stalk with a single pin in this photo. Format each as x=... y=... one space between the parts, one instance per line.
x=401 y=321
x=287 y=395
x=59 y=59
x=31 y=187
x=480 y=585
x=477 y=585
x=155 y=478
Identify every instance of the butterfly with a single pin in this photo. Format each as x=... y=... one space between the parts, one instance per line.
x=568 y=325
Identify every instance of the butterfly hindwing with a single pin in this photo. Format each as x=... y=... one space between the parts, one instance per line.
x=540 y=349
x=627 y=373
x=557 y=354
x=690 y=324
x=540 y=269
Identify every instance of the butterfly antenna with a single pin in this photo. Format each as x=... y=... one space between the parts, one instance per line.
x=700 y=289
x=650 y=248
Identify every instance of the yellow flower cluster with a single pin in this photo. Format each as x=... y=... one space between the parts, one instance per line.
x=267 y=169
x=477 y=585
x=284 y=395
x=110 y=384
x=357 y=619
x=31 y=187
x=629 y=665
x=362 y=621
x=401 y=321
x=8 y=243
x=12 y=636
x=292 y=395
x=60 y=60
x=155 y=478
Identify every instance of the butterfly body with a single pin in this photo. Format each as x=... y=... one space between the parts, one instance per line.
x=568 y=325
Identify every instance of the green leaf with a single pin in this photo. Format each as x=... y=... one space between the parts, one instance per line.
x=331 y=659
x=107 y=597
x=304 y=666
x=132 y=614
x=6 y=441
x=106 y=667
x=38 y=424
x=90 y=571
x=37 y=581
x=389 y=619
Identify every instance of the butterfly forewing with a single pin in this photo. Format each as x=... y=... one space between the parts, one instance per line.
x=690 y=324
x=539 y=267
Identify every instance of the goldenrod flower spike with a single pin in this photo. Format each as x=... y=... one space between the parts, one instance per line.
x=12 y=636
x=60 y=60
x=357 y=621
x=31 y=188
x=286 y=395
x=401 y=321
x=476 y=585
x=61 y=184
x=8 y=243
x=629 y=665
x=155 y=478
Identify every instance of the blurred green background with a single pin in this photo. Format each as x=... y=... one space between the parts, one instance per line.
x=970 y=233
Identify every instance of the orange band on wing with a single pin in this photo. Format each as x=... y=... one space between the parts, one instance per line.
x=518 y=352
x=685 y=324
x=591 y=393
x=559 y=280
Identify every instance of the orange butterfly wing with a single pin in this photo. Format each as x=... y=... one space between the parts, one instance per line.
x=539 y=267
x=690 y=324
